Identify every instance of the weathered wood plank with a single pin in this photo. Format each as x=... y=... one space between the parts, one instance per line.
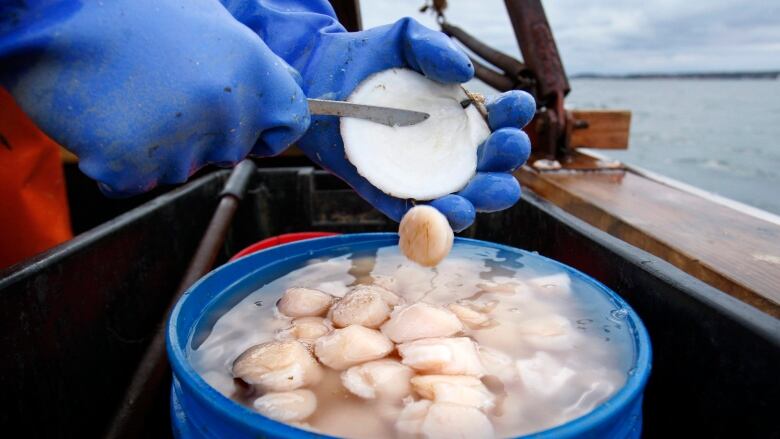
x=735 y=252
x=606 y=129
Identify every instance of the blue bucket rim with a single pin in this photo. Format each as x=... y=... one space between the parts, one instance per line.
x=189 y=378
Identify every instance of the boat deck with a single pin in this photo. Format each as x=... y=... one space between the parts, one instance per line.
x=726 y=246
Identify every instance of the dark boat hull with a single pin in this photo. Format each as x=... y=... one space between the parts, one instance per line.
x=74 y=321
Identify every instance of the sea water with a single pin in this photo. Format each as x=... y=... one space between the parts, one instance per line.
x=569 y=345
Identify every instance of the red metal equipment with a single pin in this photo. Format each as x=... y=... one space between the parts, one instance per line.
x=541 y=73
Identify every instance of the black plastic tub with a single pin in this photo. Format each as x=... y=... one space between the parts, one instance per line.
x=75 y=320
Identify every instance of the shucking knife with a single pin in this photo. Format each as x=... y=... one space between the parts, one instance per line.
x=394 y=117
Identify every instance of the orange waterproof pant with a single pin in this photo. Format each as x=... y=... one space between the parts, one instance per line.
x=33 y=203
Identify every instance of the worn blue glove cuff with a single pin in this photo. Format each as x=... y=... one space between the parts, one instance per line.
x=148 y=91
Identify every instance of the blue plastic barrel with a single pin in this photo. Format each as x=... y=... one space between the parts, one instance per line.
x=199 y=411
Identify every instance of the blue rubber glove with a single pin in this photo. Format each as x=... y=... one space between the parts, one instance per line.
x=148 y=91
x=333 y=62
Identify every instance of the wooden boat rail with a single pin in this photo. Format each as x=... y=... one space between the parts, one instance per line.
x=730 y=246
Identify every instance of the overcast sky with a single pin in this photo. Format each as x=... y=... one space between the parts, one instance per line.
x=625 y=36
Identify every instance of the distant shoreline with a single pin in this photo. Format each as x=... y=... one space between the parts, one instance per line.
x=770 y=75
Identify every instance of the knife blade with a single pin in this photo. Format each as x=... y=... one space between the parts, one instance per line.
x=385 y=115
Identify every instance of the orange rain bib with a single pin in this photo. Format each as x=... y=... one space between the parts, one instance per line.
x=33 y=203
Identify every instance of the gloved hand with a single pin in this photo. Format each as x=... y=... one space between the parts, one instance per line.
x=148 y=91
x=333 y=62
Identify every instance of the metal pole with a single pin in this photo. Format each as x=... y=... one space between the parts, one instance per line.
x=511 y=67
x=537 y=45
x=153 y=368
x=491 y=77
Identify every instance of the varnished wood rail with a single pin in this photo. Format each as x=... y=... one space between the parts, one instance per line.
x=732 y=250
x=603 y=129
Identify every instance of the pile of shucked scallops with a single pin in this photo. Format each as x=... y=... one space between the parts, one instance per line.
x=436 y=374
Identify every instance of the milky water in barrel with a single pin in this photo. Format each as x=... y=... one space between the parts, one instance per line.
x=570 y=345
